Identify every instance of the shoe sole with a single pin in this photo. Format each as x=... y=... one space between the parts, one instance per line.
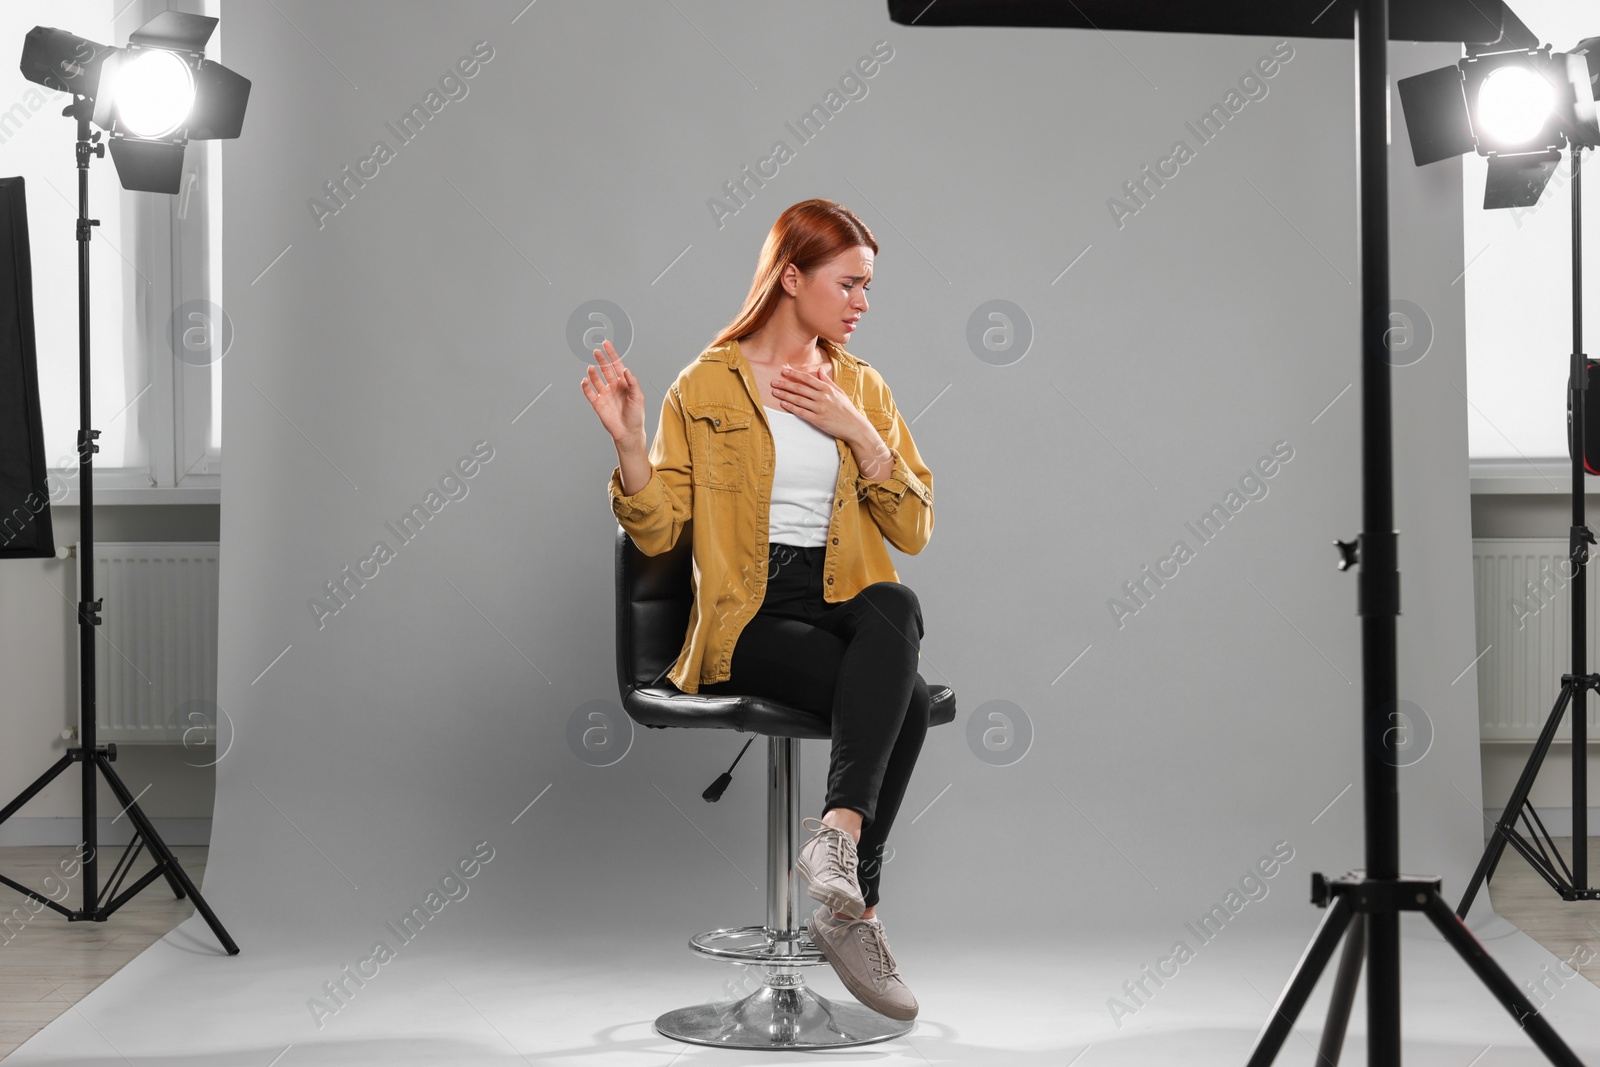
x=855 y=988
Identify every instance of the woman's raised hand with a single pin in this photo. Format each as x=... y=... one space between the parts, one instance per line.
x=614 y=393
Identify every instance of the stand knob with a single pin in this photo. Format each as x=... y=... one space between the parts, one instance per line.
x=1348 y=555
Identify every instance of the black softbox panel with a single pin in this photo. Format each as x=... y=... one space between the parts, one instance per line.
x=24 y=497
x=1470 y=21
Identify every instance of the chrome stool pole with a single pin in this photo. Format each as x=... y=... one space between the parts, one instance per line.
x=783 y=1013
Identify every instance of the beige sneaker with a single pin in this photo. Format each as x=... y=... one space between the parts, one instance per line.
x=860 y=956
x=828 y=863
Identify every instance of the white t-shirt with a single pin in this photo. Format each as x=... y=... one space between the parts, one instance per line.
x=804 y=475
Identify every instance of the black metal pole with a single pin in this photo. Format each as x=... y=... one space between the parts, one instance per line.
x=1378 y=578
x=1499 y=983
x=1580 y=705
x=1344 y=991
x=1337 y=921
x=86 y=650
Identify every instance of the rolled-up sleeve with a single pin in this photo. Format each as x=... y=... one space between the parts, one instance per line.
x=901 y=502
x=655 y=515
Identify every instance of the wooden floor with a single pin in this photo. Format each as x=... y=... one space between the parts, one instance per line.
x=1569 y=929
x=48 y=964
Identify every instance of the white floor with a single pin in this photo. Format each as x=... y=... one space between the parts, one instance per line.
x=529 y=997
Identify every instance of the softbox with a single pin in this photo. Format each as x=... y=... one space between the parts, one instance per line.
x=24 y=497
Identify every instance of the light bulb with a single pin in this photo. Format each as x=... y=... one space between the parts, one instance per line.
x=1513 y=105
x=153 y=93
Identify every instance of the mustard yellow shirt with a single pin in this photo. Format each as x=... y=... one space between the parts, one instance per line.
x=713 y=457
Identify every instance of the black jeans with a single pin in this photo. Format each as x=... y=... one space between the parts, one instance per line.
x=854 y=666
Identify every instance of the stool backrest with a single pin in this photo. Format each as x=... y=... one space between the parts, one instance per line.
x=655 y=595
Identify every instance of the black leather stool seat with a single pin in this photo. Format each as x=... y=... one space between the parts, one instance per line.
x=664 y=705
x=654 y=597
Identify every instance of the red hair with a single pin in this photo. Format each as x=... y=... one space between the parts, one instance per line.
x=807 y=234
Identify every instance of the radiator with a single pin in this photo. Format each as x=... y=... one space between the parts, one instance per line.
x=1522 y=593
x=156 y=645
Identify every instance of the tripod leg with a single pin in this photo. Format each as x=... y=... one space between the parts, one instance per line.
x=1519 y=797
x=1500 y=984
x=121 y=789
x=38 y=783
x=1301 y=982
x=159 y=847
x=1344 y=993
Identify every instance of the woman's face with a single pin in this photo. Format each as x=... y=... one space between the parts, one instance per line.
x=829 y=301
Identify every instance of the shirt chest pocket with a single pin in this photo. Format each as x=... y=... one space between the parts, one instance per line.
x=883 y=422
x=721 y=441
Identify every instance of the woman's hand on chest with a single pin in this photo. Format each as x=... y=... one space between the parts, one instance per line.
x=813 y=395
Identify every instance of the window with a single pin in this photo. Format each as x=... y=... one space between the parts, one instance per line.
x=1519 y=307
x=154 y=280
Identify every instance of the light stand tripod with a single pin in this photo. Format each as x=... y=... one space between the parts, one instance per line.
x=95 y=906
x=1368 y=902
x=1573 y=883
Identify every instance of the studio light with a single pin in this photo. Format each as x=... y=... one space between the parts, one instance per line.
x=153 y=97
x=1513 y=102
x=1519 y=105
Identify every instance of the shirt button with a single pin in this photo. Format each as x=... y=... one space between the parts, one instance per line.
x=835 y=540
x=830 y=581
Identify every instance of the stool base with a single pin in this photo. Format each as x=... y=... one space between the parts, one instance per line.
x=782 y=1014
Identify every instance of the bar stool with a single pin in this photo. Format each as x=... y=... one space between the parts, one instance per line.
x=654 y=597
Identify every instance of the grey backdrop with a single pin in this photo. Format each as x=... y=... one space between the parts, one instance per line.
x=378 y=345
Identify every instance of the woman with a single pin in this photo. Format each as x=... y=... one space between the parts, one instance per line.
x=776 y=430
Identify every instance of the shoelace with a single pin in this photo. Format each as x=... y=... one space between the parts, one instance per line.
x=845 y=857
x=840 y=857
x=877 y=944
